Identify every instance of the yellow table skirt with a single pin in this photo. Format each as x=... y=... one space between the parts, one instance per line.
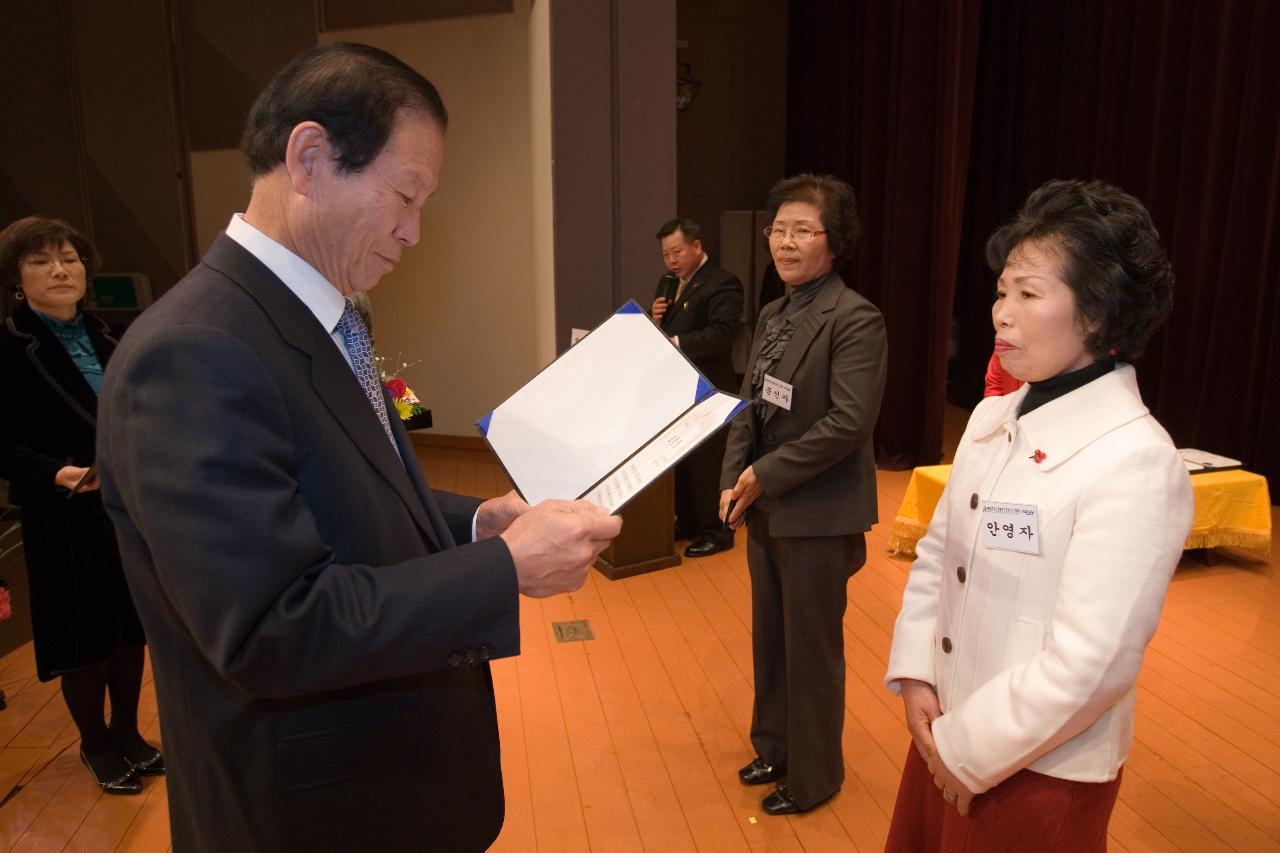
x=1231 y=508
x=918 y=503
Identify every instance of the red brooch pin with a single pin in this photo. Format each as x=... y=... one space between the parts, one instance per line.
x=1037 y=457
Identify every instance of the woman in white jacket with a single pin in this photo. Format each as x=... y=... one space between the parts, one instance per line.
x=1040 y=581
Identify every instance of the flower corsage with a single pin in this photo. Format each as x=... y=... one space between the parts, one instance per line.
x=408 y=407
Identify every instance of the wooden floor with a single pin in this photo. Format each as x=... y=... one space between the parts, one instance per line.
x=631 y=740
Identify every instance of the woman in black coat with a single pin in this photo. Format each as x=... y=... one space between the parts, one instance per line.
x=85 y=627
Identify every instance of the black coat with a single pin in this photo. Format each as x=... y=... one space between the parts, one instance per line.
x=706 y=319
x=81 y=611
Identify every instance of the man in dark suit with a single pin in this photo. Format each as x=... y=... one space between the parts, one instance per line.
x=699 y=306
x=320 y=638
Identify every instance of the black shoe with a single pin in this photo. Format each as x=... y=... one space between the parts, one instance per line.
x=758 y=772
x=126 y=784
x=780 y=802
x=144 y=758
x=708 y=544
x=152 y=765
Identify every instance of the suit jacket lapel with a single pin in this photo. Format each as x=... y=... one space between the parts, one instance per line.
x=331 y=377
x=443 y=535
x=699 y=278
x=807 y=326
x=104 y=342
x=690 y=287
x=54 y=364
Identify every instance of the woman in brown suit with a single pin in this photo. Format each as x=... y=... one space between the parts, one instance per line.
x=85 y=627
x=800 y=470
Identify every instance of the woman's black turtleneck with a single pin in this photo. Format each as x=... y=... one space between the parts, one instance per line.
x=801 y=296
x=1046 y=390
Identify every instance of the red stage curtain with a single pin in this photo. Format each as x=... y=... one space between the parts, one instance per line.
x=1170 y=100
x=880 y=94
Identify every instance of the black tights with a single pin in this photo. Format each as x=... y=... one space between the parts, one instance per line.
x=107 y=747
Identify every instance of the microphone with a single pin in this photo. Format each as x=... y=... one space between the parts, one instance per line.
x=668 y=286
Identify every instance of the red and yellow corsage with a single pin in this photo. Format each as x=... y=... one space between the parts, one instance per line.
x=402 y=397
x=407 y=404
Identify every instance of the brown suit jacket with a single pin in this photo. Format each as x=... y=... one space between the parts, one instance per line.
x=815 y=462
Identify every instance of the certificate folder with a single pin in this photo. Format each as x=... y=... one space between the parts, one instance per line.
x=607 y=417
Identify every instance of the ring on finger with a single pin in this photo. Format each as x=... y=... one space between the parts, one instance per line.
x=949 y=796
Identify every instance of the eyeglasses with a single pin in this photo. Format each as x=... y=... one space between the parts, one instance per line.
x=800 y=233
x=44 y=263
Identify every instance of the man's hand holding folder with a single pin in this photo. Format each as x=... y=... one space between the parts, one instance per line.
x=554 y=544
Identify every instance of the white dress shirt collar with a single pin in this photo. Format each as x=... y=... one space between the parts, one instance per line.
x=701 y=264
x=324 y=300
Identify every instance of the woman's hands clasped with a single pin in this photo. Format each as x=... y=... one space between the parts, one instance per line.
x=922 y=709
x=69 y=477
x=743 y=494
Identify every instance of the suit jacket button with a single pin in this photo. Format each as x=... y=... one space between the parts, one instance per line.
x=946 y=645
x=973 y=501
x=769 y=438
x=960 y=574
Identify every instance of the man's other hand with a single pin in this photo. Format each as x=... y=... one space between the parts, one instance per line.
x=554 y=544
x=496 y=514
x=658 y=308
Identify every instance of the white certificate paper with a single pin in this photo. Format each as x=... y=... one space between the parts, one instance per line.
x=607 y=417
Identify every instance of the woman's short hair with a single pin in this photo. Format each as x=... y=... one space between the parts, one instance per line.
x=354 y=91
x=34 y=234
x=833 y=198
x=1112 y=260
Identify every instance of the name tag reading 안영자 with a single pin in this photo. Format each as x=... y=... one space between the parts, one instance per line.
x=1010 y=527
x=777 y=392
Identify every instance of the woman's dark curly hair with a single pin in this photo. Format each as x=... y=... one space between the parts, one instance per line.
x=833 y=197
x=35 y=234
x=1112 y=259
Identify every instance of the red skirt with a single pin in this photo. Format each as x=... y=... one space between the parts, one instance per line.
x=1026 y=812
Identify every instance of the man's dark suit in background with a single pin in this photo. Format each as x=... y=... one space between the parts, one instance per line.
x=700 y=306
x=321 y=621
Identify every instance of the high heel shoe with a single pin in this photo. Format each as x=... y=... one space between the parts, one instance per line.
x=126 y=784
x=151 y=766
x=152 y=762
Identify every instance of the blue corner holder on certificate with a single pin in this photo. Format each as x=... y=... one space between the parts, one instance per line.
x=607 y=417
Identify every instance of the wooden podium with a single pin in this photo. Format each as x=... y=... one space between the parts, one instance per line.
x=647 y=541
